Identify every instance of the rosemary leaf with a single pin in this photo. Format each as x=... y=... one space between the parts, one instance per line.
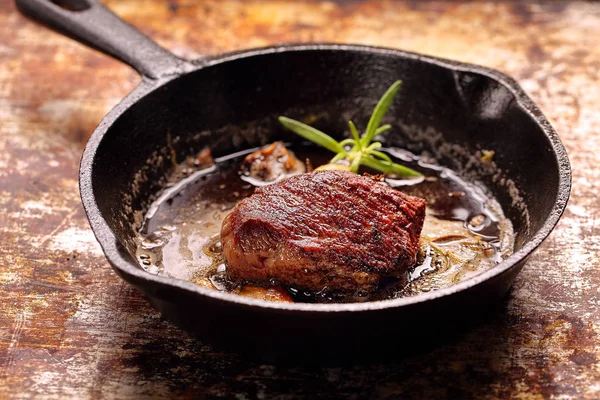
x=347 y=142
x=312 y=134
x=381 y=155
x=379 y=112
x=355 y=163
x=354 y=131
x=389 y=168
x=338 y=157
x=373 y=146
x=382 y=129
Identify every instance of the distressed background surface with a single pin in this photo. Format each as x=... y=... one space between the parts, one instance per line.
x=70 y=328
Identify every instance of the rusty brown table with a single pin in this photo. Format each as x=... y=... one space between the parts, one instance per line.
x=69 y=328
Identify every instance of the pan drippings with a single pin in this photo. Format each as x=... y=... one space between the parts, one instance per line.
x=464 y=234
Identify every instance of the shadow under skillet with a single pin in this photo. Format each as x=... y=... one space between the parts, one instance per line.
x=440 y=364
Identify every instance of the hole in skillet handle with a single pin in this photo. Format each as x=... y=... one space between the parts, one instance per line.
x=72 y=5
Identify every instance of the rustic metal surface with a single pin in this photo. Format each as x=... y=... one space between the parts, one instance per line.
x=70 y=328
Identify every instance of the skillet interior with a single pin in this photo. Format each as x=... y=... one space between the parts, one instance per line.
x=449 y=112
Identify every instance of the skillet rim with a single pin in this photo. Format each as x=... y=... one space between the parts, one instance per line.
x=109 y=242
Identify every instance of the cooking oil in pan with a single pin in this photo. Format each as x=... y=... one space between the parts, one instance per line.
x=464 y=233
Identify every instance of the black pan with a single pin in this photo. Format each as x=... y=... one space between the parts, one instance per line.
x=229 y=102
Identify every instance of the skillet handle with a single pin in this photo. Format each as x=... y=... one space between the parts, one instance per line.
x=92 y=24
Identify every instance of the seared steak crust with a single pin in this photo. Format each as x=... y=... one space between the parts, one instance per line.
x=331 y=229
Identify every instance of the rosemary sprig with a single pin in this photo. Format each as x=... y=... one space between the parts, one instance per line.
x=358 y=150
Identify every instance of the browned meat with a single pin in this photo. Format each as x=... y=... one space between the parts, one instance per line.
x=331 y=229
x=271 y=162
x=204 y=159
x=271 y=293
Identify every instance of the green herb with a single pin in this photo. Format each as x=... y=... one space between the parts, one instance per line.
x=358 y=150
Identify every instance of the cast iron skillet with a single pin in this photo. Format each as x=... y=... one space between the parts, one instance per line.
x=229 y=102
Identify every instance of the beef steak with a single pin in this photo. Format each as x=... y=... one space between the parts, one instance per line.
x=325 y=229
